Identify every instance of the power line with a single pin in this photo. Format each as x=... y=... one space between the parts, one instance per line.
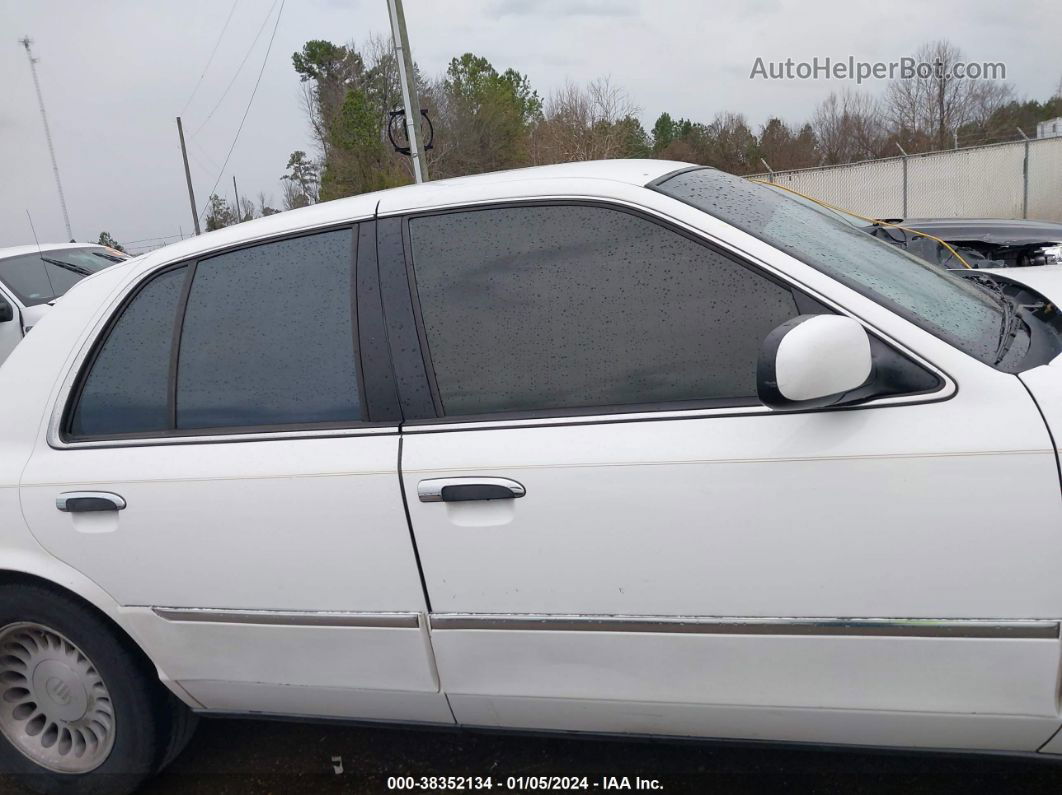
x=206 y=155
x=211 y=58
x=239 y=68
x=247 y=110
x=147 y=239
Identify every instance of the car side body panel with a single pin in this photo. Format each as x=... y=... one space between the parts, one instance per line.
x=300 y=593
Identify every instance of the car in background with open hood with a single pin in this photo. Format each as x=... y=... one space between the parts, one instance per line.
x=995 y=242
x=977 y=243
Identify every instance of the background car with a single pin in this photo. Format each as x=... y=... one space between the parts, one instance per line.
x=33 y=277
x=995 y=242
x=956 y=242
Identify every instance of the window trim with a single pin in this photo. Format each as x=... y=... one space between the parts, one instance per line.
x=691 y=409
x=60 y=437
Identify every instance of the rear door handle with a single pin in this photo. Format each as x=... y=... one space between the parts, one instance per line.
x=464 y=489
x=86 y=501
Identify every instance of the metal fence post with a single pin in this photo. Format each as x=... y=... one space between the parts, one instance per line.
x=1025 y=177
x=904 y=178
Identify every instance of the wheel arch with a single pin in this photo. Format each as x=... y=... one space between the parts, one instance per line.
x=72 y=585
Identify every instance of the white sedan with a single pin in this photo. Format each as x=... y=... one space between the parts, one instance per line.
x=620 y=447
x=32 y=278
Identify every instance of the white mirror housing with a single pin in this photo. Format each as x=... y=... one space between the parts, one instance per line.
x=812 y=361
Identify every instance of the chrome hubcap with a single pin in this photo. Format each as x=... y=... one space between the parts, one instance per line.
x=54 y=705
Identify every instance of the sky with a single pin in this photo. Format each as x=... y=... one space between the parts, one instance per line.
x=116 y=73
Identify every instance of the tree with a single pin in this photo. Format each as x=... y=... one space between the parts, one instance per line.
x=1004 y=123
x=731 y=144
x=591 y=123
x=782 y=148
x=327 y=71
x=934 y=106
x=302 y=181
x=485 y=118
x=265 y=207
x=358 y=160
x=246 y=209
x=664 y=132
x=110 y=242
x=850 y=126
x=348 y=96
x=219 y=213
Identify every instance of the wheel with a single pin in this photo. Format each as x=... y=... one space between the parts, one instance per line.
x=81 y=712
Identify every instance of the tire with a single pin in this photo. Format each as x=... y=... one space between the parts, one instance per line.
x=61 y=653
x=182 y=725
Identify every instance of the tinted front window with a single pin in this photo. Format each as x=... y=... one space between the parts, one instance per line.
x=126 y=390
x=269 y=337
x=537 y=308
x=40 y=278
x=941 y=302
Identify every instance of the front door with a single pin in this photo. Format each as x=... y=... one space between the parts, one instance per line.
x=617 y=536
x=256 y=535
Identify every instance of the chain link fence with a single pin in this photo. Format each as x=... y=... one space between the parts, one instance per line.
x=1020 y=179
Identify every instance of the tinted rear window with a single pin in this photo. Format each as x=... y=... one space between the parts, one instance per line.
x=269 y=337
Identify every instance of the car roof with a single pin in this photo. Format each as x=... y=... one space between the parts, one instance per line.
x=18 y=251
x=632 y=172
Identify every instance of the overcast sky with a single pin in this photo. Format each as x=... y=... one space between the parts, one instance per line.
x=115 y=73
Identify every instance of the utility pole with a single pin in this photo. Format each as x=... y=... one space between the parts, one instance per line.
x=239 y=212
x=409 y=88
x=188 y=176
x=26 y=41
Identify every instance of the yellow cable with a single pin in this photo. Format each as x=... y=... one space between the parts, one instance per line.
x=874 y=221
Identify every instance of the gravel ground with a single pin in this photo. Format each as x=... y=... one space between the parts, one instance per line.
x=232 y=757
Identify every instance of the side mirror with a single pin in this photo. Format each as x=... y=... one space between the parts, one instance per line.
x=812 y=361
x=7 y=312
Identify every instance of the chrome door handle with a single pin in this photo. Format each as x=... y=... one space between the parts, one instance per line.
x=463 y=489
x=86 y=501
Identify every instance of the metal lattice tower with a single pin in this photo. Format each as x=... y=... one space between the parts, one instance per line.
x=25 y=41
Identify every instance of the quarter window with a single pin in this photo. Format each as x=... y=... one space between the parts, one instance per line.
x=575 y=306
x=127 y=389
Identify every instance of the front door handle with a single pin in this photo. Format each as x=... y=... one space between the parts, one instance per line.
x=86 y=501
x=464 y=489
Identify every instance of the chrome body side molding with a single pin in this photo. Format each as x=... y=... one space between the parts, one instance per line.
x=289 y=619
x=880 y=627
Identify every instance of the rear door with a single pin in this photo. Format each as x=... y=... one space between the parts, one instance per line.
x=617 y=536
x=248 y=446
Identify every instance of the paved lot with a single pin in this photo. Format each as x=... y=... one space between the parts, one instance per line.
x=230 y=756
x=233 y=757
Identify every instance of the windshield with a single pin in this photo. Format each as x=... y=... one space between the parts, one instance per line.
x=848 y=218
x=922 y=246
x=40 y=278
x=953 y=308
